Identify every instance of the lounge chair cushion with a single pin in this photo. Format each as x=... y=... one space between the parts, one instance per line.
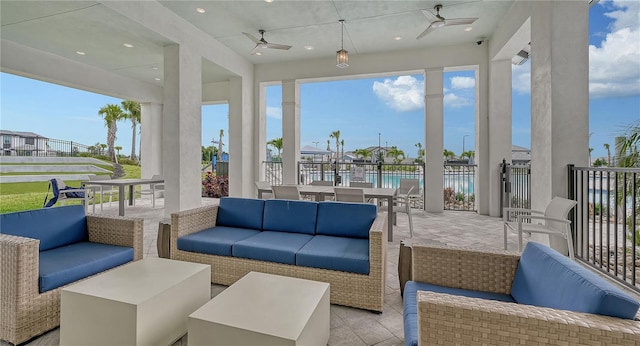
x=240 y=213
x=566 y=285
x=410 y=301
x=280 y=247
x=290 y=216
x=214 y=241
x=342 y=219
x=335 y=253
x=67 y=264
x=54 y=227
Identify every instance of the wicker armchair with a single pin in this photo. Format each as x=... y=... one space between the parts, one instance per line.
x=24 y=311
x=445 y=319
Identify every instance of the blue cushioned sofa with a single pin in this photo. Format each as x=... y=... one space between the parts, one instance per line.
x=343 y=244
x=462 y=296
x=44 y=250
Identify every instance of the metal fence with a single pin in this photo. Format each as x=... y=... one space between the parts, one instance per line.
x=458 y=184
x=42 y=146
x=606 y=221
x=515 y=186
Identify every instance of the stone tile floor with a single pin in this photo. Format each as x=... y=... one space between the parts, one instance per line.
x=350 y=326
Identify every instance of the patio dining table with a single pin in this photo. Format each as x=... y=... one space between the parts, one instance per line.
x=320 y=192
x=121 y=184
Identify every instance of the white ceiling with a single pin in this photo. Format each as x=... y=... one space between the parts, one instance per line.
x=64 y=27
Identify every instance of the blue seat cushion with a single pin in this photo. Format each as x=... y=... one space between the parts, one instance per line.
x=67 y=264
x=290 y=216
x=410 y=302
x=54 y=227
x=342 y=219
x=240 y=213
x=335 y=253
x=280 y=247
x=214 y=241
x=545 y=277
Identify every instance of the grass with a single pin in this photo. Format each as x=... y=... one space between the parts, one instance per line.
x=29 y=196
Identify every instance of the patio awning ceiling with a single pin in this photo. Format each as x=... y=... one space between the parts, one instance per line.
x=64 y=28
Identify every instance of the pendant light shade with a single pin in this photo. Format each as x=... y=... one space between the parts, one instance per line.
x=342 y=56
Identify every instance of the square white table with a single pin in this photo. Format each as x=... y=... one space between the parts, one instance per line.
x=146 y=302
x=264 y=309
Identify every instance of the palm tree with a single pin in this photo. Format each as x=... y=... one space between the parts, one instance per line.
x=276 y=143
x=132 y=112
x=420 y=158
x=342 y=146
x=220 y=145
x=590 y=150
x=111 y=114
x=448 y=154
x=608 y=147
x=468 y=154
x=397 y=154
x=364 y=153
x=336 y=135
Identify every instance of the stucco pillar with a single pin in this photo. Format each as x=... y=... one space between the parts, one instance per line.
x=150 y=139
x=500 y=129
x=182 y=129
x=434 y=137
x=261 y=131
x=241 y=149
x=290 y=131
x=559 y=97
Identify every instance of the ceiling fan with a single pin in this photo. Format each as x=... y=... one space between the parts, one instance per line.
x=262 y=43
x=439 y=21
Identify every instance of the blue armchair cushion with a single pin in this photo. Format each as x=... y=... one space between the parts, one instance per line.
x=290 y=216
x=54 y=227
x=342 y=219
x=214 y=241
x=280 y=247
x=67 y=264
x=240 y=213
x=410 y=302
x=335 y=253
x=545 y=277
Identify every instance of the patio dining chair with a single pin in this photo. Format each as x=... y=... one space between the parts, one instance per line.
x=151 y=190
x=322 y=183
x=285 y=192
x=104 y=191
x=264 y=185
x=349 y=194
x=556 y=224
x=402 y=204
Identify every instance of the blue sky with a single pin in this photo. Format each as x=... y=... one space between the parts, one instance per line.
x=362 y=108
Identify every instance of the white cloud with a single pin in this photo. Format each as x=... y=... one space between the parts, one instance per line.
x=454 y=101
x=462 y=82
x=521 y=78
x=274 y=112
x=403 y=94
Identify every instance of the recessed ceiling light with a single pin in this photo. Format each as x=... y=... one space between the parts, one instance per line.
x=157 y=78
x=308 y=47
x=398 y=38
x=128 y=45
x=268 y=0
x=200 y=10
x=80 y=52
x=154 y=68
x=258 y=53
x=468 y=28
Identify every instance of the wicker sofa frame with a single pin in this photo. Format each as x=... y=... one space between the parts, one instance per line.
x=349 y=289
x=445 y=319
x=24 y=311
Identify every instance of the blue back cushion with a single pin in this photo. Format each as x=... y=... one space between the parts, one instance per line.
x=345 y=219
x=240 y=213
x=290 y=216
x=547 y=278
x=54 y=227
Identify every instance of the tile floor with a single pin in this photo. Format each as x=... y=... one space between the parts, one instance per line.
x=351 y=326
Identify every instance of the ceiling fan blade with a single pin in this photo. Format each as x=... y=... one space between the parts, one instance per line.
x=256 y=49
x=459 y=21
x=252 y=38
x=427 y=31
x=278 y=46
x=430 y=16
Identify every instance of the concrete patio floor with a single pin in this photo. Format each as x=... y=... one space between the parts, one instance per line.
x=350 y=326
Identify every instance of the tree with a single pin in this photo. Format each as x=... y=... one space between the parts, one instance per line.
x=420 y=158
x=630 y=146
x=448 y=154
x=276 y=143
x=342 y=145
x=590 y=150
x=111 y=114
x=468 y=154
x=132 y=112
x=608 y=147
x=118 y=148
x=397 y=154
x=220 y=145
x=364 y=153
x=336 y=135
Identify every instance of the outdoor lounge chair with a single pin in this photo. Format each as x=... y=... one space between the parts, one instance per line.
x=556 y=224
x=264 y=185
x=63 y=193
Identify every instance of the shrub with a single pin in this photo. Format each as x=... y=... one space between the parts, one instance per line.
x=215 y=186
x=448 y=194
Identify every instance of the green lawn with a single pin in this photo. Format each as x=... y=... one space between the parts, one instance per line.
x=28 y=196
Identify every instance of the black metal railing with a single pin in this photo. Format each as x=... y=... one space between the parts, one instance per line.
x=606 y=221
x=515 y=187
x=459 y=187
x=42 y=146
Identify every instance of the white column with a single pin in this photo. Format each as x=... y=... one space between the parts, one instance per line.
x=181 y=131
x=290 y=131
x=500 y=129
x=150 y=139
x=261 y=131
x=434 y=137
x=241 y=148
x=559 y=98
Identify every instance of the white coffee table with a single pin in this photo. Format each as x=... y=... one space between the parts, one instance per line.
x=264 y=309
x=146 y=302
